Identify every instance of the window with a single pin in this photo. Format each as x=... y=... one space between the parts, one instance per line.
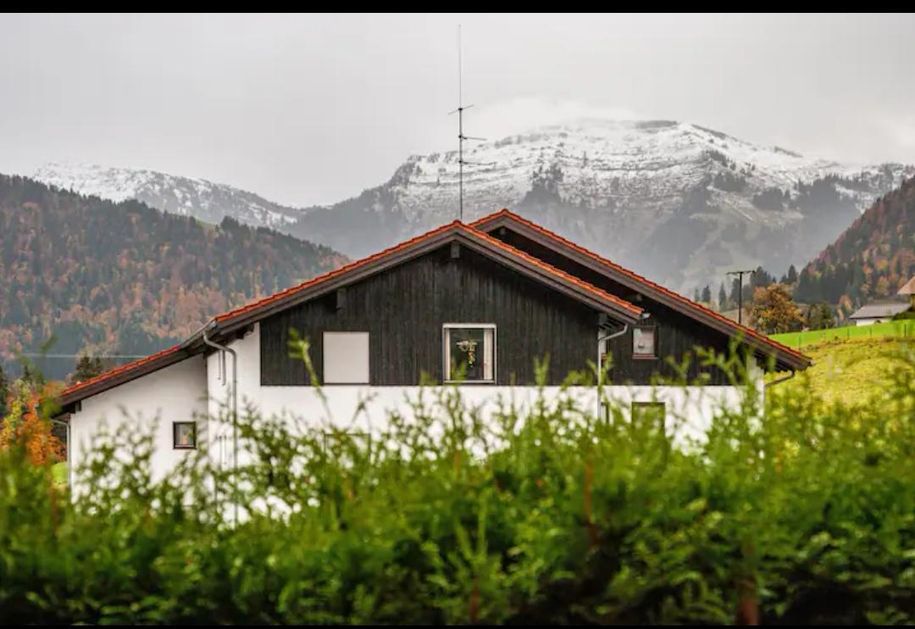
x=184 y=435
x=644 y=342
x=346 y=358
x=649 y=416
x=470 y=352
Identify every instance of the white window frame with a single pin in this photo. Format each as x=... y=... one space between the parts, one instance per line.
x=446 y=351
x=324 y=354
x=654 y=342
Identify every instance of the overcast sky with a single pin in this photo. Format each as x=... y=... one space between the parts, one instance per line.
x=313 y=109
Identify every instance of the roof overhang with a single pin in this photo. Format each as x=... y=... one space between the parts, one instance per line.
x=764 y=347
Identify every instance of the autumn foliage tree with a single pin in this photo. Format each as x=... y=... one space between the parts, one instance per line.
x=27 y=423
x=774 y=310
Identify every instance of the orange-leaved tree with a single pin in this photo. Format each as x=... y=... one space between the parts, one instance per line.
x=27 y=423
x=774 y=310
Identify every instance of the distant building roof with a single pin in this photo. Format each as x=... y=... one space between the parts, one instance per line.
x=880 y=310
x=908 y=288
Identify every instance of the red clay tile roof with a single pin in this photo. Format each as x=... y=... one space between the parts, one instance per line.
x=119 y=370
x=620 y=303
x=688 y=304
x=346 y=268
x=70 y=394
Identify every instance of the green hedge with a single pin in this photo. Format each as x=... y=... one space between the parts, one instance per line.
x=807 y=516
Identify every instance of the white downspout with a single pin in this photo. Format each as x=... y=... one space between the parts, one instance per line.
x=69 y=458
x=224 y=348
x=600 y=370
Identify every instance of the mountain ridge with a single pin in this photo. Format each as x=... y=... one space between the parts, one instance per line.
x=678 y=202
x=107 y=277
x=870 y=260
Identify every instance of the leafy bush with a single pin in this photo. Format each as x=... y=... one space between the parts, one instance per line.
x=553 y=517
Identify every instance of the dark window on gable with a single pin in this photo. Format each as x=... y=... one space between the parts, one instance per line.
x=184 y=435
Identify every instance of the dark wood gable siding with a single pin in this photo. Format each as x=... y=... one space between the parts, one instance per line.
x=404 y=308
x=678 y=335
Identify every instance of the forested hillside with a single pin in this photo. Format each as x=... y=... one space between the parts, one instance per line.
x=125 y=278
x=870 y=260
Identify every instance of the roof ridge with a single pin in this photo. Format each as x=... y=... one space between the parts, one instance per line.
x=555 y=270
x=689 y=302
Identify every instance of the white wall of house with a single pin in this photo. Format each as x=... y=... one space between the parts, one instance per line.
x=871 y=321
x=364 y=408
x=175 y=393
x=196 y=387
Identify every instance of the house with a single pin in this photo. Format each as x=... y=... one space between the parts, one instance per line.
x=908 y=291
x=488 y=297
x=878 y=312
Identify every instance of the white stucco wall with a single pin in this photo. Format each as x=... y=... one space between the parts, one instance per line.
x=175 y=393
x=362 y=408
x=196 y=388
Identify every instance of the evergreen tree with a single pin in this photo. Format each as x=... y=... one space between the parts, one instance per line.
x=706 y=295
x=87 y=367
x=820 y=317
x=734 y=293
x=722 y=298
x=792 y=275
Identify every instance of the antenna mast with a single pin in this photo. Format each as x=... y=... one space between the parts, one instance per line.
x=461 y=137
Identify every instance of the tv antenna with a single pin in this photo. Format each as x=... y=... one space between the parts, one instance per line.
x=461 y=137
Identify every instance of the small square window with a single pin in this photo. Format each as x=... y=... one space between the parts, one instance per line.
x=649 y=416
x=346 y=358
x=184 y=435
x=644 y=342
x=470 y=352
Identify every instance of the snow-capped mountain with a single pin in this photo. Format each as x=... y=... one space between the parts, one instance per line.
x=675 y=201
x=210 y=202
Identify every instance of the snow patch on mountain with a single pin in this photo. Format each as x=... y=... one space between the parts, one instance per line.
x=677 y=201
x=188 y=196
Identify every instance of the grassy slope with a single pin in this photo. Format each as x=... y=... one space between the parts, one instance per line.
x=815 y=337
x=850 y=370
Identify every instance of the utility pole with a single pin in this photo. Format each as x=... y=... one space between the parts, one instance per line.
x=740 y=275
